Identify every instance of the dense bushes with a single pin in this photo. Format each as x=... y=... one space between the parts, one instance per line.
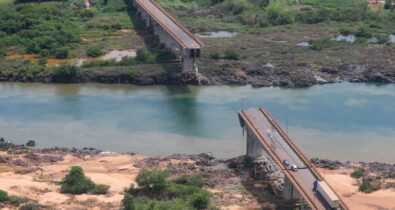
x=184 y=192
x=41 y=28
x=77 y=183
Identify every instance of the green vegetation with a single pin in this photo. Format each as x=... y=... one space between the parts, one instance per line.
x=196 y=181
x=232 y=165
x=77 y=183
x=3 y=195
x=232 y=55
x=94 y=52
x=366 y=186
x=263 y=13
x=100 y=189
x=30 y=206
x=12 y=199
x=54 y=29
x=358 y=173
x=64 y=73
x=158 y=191
x=248 y=162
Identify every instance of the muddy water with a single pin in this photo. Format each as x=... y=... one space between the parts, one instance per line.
x=337 y=121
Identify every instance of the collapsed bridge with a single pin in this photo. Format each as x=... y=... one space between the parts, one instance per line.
x=302 y=182
x=170 y=32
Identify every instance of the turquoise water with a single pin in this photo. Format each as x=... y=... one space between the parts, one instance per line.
x=338 y=121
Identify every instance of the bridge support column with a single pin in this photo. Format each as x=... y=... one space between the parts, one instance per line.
x=290 y=193
x=254 y=147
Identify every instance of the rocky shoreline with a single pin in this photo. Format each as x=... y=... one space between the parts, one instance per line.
x=237 y=183
x=265 y=75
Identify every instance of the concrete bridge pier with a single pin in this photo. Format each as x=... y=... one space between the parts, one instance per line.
x=290 y=193
x=254 y=147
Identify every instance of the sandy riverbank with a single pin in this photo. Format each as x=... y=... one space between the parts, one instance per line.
x=36 y=176
x=346 y=187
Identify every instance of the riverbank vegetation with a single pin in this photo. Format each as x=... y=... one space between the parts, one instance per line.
x=77 y=183
x=157 y=191
x=303 y=38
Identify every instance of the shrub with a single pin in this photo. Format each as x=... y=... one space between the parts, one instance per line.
x=30 y=206
x=3 y=52
x=231 y=55
x=346 y=31
x=153 y=181
x=145 y=56
x=76 y=182
x=200 y=200
x=165 y=54
x=232 y=165
x=214 y=55
x=42 y=61
x=62 y=53
x=94 y=52
x=100 y=189
x=366 y=186
x=248 y=162
x=3 y=195
x=127 y=61
x=99 y=63
x=196 y=181
x=358 y=173
x=174 y=190
x=363 y=32
x=320 y=44
x=64 y=73
x=128 y=202
x=383 y=39
x=16 y=200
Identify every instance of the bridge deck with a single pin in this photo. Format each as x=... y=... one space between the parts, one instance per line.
x=170 y=24
x=277 y=144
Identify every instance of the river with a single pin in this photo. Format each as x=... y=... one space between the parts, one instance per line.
x=341 y=121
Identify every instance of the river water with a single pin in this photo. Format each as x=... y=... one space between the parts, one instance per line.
x=338 y=121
